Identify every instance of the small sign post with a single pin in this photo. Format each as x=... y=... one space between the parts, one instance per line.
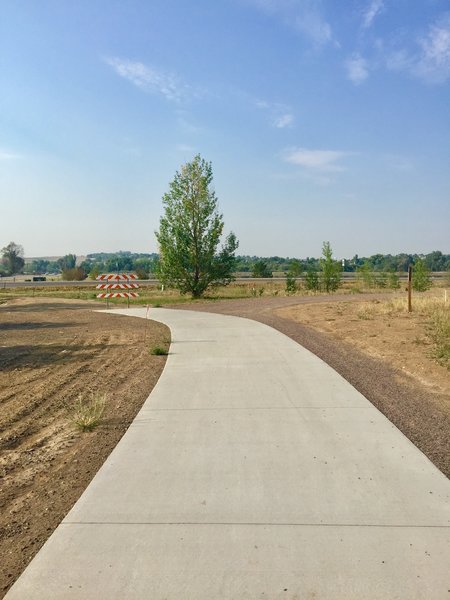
x=117 y=281
x=409 y=288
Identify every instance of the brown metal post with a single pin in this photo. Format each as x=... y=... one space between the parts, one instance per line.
x=409 y=288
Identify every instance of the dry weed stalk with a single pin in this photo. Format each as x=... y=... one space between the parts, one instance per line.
x=86 y=413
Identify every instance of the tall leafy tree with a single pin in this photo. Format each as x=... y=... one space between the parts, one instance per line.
x=190 y=232
x=13 y=258
x=331 y=269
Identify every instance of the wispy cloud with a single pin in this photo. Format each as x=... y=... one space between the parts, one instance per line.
x=430 y=61
x=316 y=160
x=434 y=62
x=305 y=16
x=280 y=115
x=374 y=8
x=311 y=24
x=283 y=121
x=7 y=155
x=357 y=69
x=151 y=79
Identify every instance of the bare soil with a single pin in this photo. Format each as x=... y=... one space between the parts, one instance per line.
x=51 y=351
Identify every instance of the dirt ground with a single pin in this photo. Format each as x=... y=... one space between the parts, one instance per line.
x=51 y=351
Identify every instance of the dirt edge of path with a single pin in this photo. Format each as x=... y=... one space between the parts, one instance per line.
x=51 y=351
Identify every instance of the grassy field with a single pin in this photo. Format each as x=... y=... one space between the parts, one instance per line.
x=153 y=294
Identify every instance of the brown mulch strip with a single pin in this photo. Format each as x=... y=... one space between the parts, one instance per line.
x=409 y=405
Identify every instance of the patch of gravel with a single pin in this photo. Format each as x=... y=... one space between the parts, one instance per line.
x=410 y=406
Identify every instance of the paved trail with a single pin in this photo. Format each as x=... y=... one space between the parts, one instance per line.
x=253 y=471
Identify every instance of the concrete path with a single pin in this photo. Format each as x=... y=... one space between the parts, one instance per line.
x=253 y=471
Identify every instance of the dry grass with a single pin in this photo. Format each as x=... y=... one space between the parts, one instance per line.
x=86 y=413
x=152 y=294
x=434 y=310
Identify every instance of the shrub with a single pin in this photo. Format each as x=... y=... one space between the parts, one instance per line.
x=142 y=273
x=421 y=279
x=439 y=331
x=158 y=351
x=261 y=269
x=393 y=280
x=312 y=280
x=291 y=284
x=76 y=274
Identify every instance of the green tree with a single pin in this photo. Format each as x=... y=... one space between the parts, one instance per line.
x=190 y=231
x=67 y=262
x=364 y=273
x=94 y=272
x=117 y=263
x=421 y=280
x=331 y=269
x=295 y=268
x=312 y=280
x=261 y=269
x=13 y=260
x=394 y=280
x=291 y=284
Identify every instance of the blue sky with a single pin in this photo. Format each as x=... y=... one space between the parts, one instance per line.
x=323 y=120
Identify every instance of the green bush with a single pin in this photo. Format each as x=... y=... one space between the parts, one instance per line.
x=158 y=351
x=312 y=280
x=291 y=284
x=421 y=279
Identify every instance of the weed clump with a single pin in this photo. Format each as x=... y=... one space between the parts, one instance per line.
x=439 y=332
x=158 y=351
x=86 y=413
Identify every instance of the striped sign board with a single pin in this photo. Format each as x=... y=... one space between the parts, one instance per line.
x=117 y=281
x=116 y=277
x=117 y=286
x=118 y=295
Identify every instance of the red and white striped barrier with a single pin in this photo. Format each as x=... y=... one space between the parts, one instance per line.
x=110 y=278
x=117 y=286
x=116 y=277
x=118 y=295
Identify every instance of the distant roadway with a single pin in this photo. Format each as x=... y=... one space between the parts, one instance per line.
x=8 y=282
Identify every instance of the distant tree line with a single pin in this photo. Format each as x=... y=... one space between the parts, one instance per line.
x=434 y=261
x=373 y=268
x=144 y=265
